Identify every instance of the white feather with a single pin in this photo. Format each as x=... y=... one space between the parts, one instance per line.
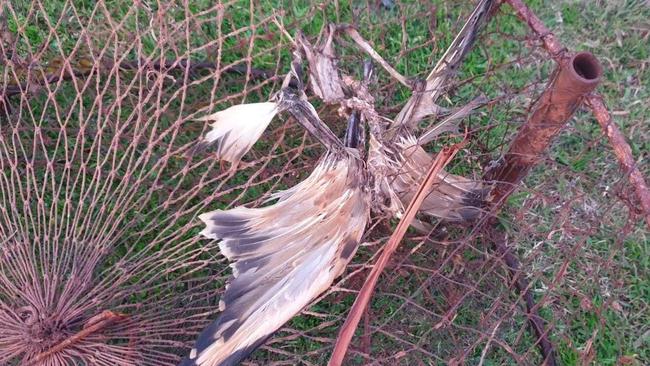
x=237 y=128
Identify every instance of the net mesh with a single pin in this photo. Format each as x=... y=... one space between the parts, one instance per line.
x=99 y=197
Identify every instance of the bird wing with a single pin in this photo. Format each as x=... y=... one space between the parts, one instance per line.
x=284 y=255
x=236 y=129
x=422 y=103
x=454 y=198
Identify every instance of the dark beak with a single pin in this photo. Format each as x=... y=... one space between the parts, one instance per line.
x=353 y=132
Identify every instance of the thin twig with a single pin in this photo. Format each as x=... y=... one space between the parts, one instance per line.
x=487 y=344
x=347 y=330
x=284 y=30
x=366 y=47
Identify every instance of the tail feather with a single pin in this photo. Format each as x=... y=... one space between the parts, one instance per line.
x=284 y=255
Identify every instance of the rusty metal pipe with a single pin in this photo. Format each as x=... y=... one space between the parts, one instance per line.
x=612 y=131
x=575 y=77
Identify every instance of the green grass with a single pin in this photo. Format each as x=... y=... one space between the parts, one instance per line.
x=580 y=167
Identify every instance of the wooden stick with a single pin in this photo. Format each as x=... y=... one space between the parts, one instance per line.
x=98 y=323
x=361 y=302
x=521 y=284
x=622 y=151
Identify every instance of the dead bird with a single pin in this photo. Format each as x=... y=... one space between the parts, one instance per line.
x=285 y=254
x=396 y=156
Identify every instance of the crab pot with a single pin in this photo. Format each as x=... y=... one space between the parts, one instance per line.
x=575 y=77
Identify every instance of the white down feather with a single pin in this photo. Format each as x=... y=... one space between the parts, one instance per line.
x=236 y=129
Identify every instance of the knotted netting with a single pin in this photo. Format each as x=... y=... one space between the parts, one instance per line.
x=100 y=258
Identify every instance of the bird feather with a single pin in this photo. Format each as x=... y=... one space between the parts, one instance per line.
x=236 y=129
x=284 y=255
x=405 y=162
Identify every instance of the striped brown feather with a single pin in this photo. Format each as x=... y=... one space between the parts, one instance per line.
x=284 y=255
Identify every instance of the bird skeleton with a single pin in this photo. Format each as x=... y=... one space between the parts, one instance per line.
x=287 y=253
